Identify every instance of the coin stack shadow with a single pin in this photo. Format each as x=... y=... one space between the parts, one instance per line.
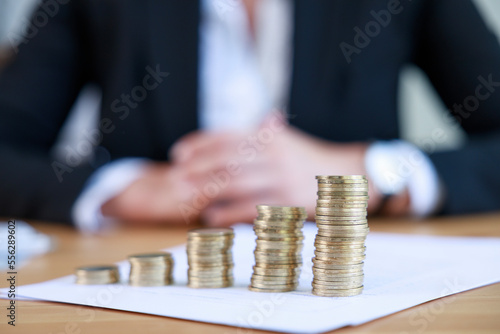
x=278 y=258
x=342 y=229
x=152 y=269
x=210 y=258
x=97 y=275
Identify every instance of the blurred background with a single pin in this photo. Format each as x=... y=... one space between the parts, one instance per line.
x=421 y=109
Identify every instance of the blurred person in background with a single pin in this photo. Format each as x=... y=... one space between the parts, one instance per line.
x=210 y=107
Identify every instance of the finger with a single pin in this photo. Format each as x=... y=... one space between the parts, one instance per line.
x=200 y=171
x=226 y=215
x=246 y=186
x=199 y=141
x=213 y=158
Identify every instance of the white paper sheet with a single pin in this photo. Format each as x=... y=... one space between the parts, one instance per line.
x=400 y=271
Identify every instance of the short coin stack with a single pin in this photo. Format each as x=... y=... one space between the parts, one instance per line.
x=210 y=258
x=342 y=230
x=153 y=269
x=279 y=241
x=97 y=275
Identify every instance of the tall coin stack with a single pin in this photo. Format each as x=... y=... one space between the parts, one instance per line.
x=342 y=230
x=153 y=269
x=279 y=241
x=210 y=258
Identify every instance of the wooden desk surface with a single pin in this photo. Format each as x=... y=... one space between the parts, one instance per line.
x=476 y=311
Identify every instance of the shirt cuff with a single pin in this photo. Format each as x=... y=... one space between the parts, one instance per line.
x=397 y=165
x=107 y=182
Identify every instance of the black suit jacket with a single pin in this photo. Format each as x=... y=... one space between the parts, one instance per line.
x=112 y=42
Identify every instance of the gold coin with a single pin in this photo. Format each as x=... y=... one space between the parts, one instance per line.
x=210 y=280
x=340 y=245
x=344 y=228
x=334 y=209
x=336 y=285
x=338 y=215
x=210 y=256
x=209 y=285
x=339 y=260
x=329 y=248
x=209 y=260
x=331 y=193
x=271 y=290
x=207 y=263
x=276 y=272
x=341 y=235
x=341 y=205
x=295 y=256
x=333 y=216
x=89 y=275
x=354 y=214
x=340 y=177
x=325 y=223
x=344 y=185
x=337 y=273
x=325 y=239
x=261 y=228
x=276 y=266
x=158 y=256
x=279 y=224
x=150 y=282
x=274 y=279
x=343 y=197
x=210 y=272
x=279 y=243
x=347 y=267
x=337 y=292
x=286 y=251
x=280 y=233
x=329 y=278
x=211 y=232
x=274 y=286
x=357 y=190
x=324 y=253
x=340 y=211
x=355 y=200
x=345 y=181
x=340 y=220
x=205 y=247
x=280 y=262
x=282 y=239
x=275 y=253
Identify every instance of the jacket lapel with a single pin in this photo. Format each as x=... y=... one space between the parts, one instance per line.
x=174 y=49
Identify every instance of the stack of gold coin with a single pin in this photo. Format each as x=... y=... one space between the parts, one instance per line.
x=97 y=275
x=342 y=230
x=210 y=258
x=279 y=241
x=152 y=269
